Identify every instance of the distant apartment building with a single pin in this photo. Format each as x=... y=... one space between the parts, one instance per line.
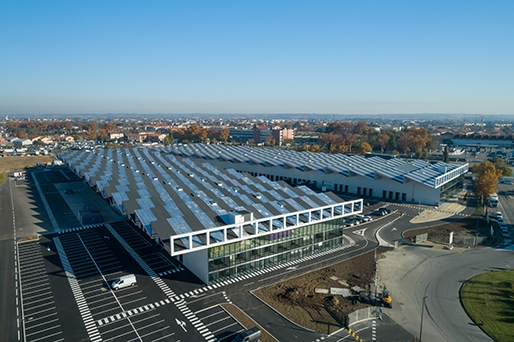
x=485 y=140
x=116 y=135
x=259 y=135
x=137 y=137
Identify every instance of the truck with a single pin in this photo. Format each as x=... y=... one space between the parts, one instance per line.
x=493 y=200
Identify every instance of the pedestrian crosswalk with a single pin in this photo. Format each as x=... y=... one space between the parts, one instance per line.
x=133 y=312
x=179 y=303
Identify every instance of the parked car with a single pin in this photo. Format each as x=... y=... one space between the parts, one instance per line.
x=362 y=218
x=348 y=223
x=250 y=335
x=377 y=212
x=385 y=210
x=125 y=281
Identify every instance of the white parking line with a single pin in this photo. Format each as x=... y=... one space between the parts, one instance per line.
x=39 y=312
x=219 y=320
x=40 y=324
x=163 y=337
x=37 y=289
x=214 y=314
x=37 y=319
x=38 y=306
x=225 y=327
x=92 y=331
x=153 y=332
x=36 y=301
x=47 y=294
x=35 y=282
x=46 y=336
x=43 y=330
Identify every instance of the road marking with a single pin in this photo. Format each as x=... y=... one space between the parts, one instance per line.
x=162 y=285
x=182 y=324
x=92 y=331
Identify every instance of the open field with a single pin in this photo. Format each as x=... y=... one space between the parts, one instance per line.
x=19 y=163
x=489 y=300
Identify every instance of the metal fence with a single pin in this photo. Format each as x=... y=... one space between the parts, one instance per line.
x=371 y=312
x=460 y=240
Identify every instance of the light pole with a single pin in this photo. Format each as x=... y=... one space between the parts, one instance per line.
x=422 y=310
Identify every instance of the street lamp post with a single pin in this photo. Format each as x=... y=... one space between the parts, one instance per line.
x=422 y=310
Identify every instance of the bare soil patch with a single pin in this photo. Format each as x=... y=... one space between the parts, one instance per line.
x=467 y=227
x=12 y=163
x=298 y=300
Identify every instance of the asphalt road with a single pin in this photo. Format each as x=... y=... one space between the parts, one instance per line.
x=439 y=274
x=8 y=295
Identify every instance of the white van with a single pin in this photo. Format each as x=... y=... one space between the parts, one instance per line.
x=125 y=281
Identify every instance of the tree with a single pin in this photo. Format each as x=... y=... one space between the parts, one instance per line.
x=109 y=127
x=169 y=139
x=500 y=165
x=486 y=178
x=485 y=184
x=365 y=147
x=382 y=140
x=223 y=134
x=68 y=126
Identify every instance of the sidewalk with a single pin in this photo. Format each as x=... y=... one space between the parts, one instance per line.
x=448 y=209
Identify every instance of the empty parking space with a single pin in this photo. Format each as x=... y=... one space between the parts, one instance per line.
x=222 y=325
x=41 y=320
x=60 y=209
x=126 y=314
x=152 y=254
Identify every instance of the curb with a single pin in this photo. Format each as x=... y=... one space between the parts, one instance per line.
x=351 y=332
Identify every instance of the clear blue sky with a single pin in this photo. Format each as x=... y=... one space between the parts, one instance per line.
x=346 y=57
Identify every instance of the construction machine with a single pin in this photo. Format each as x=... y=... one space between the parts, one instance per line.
x=387 y=300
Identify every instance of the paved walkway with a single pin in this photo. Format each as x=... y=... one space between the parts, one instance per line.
x=450 y=208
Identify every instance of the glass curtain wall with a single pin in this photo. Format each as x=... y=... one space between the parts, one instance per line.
x=234 y=259
x=451 y=188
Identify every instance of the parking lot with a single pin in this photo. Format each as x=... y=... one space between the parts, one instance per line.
x=40 y=314
x=129 y=314
x=151 y=254
x=63 y=214
x=222 y=325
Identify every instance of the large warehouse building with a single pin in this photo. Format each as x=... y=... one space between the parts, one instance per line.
x=393 y=179
x=219 y=222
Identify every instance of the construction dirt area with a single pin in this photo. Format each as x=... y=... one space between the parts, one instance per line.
x=301 y=301
x=467 y=227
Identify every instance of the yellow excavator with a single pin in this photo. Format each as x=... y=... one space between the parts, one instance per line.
x=387 y=300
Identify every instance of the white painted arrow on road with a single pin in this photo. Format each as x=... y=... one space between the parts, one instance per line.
x=360 y=232
x=394 y=228
x=181 y=323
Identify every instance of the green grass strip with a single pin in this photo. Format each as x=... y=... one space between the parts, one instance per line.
x=489 y=300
